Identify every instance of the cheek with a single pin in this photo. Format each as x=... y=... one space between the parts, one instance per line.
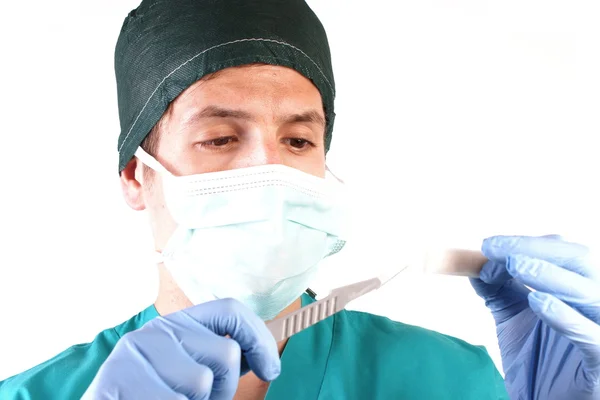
x=162 y=223
x=314 y=164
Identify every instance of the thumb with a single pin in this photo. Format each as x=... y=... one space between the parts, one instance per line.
x=506 y=298
x=582 y=332
x=231 y=317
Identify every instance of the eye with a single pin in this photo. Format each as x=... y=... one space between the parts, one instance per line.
x=219 y=142
x=299 y=143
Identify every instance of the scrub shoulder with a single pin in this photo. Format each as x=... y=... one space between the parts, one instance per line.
x=408 y=362
x=68 y=375
x=355 y=355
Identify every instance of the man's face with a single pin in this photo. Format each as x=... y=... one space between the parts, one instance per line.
x=241 y=117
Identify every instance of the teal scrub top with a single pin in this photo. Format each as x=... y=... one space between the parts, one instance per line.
x=350 y=355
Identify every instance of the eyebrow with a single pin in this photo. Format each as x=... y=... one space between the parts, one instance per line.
x=216 y=112
x=313 y=117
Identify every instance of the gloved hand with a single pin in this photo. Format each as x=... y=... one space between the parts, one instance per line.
x=549 y=338
x=185 y=355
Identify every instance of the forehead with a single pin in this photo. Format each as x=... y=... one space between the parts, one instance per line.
x=254 y=88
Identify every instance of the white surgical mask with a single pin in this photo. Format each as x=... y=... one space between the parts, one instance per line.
x=255 y=234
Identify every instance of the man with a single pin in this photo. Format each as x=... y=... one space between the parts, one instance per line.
x=231 y=102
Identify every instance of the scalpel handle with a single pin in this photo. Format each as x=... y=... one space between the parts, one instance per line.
x=286 y=326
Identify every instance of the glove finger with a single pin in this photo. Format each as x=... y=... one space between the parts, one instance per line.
x=128 y=378
x=153 y=354
x=504 y=300
x=579 y=330
x=575 y=257
x=231 y=317
x=553 y=236
x=220 y=354
x=579 y=292
x=496 y=272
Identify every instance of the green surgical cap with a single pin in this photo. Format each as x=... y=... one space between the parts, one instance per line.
x=167 y=45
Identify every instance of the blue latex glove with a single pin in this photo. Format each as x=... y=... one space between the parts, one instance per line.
x=185 y=355
x=550 y=338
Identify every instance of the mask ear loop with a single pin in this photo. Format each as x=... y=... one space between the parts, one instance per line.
x=150 y=161
x=334 y=175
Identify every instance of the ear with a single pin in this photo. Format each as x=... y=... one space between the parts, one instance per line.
x=131 y=186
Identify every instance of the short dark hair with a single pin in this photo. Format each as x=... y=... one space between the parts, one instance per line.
x=150 y=143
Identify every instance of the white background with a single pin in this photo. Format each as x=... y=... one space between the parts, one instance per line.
x=463 y=119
